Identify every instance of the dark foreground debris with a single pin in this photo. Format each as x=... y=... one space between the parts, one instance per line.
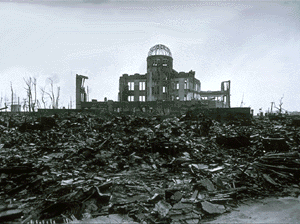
x=128 y=169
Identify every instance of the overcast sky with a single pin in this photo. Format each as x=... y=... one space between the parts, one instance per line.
x=253 y=44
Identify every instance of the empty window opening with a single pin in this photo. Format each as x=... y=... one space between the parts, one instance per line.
x=130 y=85
x=130 y=98
x=186 y=84
x=142 y=98
x=165 y=62
x=142 y=85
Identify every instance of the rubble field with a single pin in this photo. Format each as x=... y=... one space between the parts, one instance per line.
x=71 y=167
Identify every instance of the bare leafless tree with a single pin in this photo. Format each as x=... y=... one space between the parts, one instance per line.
x=24 y=104
x=57 y=97
x=12 y=95
x=38 y=104
x=280 y=105
x=51 y=95
x=43 y=91
x=279 y=108
x=29 y=94
x=34 y=86
x=1 y=100
x=5 y=102
x=31 y=85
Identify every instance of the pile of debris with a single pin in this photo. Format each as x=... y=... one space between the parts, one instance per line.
x=140 y=169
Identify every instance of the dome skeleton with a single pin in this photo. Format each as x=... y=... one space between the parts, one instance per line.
x=159 y=49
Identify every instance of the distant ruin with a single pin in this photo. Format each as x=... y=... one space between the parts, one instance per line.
x=161 y=85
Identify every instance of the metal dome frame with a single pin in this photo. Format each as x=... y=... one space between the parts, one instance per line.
x=159 y=49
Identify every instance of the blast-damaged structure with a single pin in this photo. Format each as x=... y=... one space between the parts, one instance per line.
x=81 y=95
x=162 y=82
x=161 y=89
x=218 y=99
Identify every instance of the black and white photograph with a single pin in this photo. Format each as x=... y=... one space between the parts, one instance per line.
x=140 y=111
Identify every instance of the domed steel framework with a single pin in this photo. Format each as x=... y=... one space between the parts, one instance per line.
x=159 y=49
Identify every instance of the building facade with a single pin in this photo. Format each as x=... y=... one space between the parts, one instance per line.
x=161 y=82
x=160 y=85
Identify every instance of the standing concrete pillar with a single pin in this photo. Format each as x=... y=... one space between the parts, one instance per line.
x=80 y=90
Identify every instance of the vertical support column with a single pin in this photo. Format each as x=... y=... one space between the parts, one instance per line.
x=80 y=90
x=228 y=94
x=78 y=97
x=149 y=86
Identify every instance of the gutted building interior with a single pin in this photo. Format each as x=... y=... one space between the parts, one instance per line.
x=162 y=82
x=220 y=98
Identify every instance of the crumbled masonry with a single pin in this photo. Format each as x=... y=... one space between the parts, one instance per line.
x=80 y=168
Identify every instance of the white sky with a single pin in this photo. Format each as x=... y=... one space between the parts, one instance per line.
x=253 y=44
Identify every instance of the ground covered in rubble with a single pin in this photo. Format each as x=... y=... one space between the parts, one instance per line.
x=125 y=168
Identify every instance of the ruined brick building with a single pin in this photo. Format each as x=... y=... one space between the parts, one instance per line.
x=162 y=82
x=160 y=91
x=161 y=88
